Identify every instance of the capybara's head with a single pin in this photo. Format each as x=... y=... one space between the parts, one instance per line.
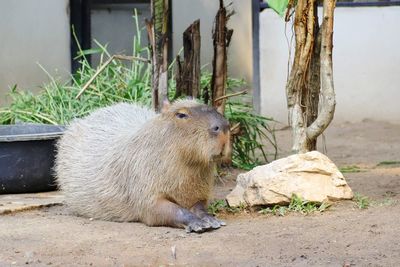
x=201 y=133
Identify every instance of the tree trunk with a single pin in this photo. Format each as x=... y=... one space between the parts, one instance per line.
x=313 y=80
x=297 y=86
x=221 y=39
x=157 y=30
x=310 y=73
x=188 y=74
x=327 y=89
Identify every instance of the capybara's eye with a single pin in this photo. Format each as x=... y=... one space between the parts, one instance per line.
x=182 y=115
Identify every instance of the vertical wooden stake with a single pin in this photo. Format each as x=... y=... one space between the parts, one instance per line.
x=188 y=72
x=157 y=30
x=221 y=39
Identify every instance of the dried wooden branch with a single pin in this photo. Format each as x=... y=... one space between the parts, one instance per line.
x=231 y=95
x=235 y=129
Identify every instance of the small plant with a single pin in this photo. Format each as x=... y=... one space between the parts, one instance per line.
x=276 y=210
x=350 y=169
x=220 y=205
x=297 y=204
x=216 y=206
x=242 y=206
x=388 y=163
x=361 y=201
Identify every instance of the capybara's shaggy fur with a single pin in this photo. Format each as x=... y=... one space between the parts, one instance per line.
x=127 y=163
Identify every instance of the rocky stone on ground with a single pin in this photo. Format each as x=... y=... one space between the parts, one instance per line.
x=311 y=176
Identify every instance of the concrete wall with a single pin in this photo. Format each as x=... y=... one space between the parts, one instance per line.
x=366 y=61
x=32 y=31
x=240 y=51
x=113 y=25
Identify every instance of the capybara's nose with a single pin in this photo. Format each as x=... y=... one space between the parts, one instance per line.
x=220 y=126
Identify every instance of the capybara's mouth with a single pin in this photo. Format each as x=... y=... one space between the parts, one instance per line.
x=226 y=153
x=226 y=159
x=223 y=157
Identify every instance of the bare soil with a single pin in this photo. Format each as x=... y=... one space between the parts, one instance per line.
x=344 y=235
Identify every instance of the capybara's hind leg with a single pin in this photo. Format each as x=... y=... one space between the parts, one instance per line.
x=168 y=213
x=200 y=210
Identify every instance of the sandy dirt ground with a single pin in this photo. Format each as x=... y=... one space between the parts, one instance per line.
x=344 y=235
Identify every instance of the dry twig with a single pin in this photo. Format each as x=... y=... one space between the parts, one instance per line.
x=231 y=95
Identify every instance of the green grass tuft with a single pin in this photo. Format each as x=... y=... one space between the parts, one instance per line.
x=216 y=206
x=297 y=204
x=220 y=205
x=361 y=201
x=350 y=169
x=388 y=163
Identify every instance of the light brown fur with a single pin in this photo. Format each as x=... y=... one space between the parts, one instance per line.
x=126 y=163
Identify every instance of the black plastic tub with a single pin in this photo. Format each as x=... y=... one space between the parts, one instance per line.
x=27 y=154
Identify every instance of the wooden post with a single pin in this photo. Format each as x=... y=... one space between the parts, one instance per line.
x=188 y=73
x=157 y=30
x=179 y=76
x=221 y=39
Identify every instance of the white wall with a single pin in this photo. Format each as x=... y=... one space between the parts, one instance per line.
x=32 y=31
x=240 y=51
x=366 y=60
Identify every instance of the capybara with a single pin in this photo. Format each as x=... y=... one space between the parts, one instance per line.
x=127 y=163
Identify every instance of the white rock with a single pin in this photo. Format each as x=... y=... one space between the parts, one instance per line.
x=311 y=176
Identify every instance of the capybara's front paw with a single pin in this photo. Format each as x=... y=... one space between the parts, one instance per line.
x=214 y=222
x=198 y=226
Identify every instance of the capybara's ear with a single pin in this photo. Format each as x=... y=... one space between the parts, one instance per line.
x=165 y=106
